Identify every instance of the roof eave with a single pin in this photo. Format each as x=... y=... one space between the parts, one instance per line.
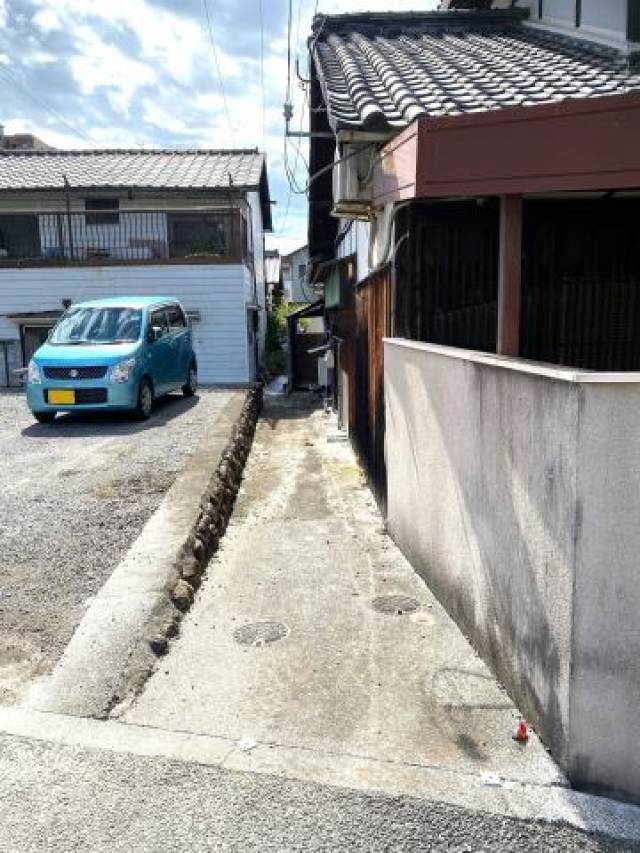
x=368 y=20
x=222 y=190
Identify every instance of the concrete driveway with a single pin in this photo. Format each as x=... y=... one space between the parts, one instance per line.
x=73 y=498
x=352 y=655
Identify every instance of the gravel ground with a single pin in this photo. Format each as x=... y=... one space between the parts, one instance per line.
x=63 y=800
x=73 y=498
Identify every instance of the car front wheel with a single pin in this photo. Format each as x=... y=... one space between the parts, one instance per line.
x=191 y=385
x=45 y=417
x=145 y=400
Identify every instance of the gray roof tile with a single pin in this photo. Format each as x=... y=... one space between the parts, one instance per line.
x=382 y=71
x=113 y=169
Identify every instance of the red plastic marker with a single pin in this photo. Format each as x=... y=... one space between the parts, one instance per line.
x=521 y=733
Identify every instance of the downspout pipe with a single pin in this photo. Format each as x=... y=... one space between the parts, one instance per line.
x=67 y=193
x=388 y=245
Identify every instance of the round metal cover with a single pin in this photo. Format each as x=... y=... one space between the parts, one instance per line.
x=260 y=633
x=395 y=605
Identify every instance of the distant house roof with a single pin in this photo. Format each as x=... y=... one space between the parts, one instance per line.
x=114 y=169
x=300 y=250
x=382 y=71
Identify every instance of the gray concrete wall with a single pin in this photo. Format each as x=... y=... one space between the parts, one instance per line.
x=498 y=496
x=605 y=689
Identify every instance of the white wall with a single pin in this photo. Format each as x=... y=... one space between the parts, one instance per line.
x=559 y=10
x=216 y=291
x=357 y=242
x=514 y=490
x=603 y=21
x=254 y=281
x=610 y=15
x=366 y=242
x=295 y=288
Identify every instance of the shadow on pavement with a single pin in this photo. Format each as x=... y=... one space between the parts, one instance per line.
x=294 y=406
x=74 y=424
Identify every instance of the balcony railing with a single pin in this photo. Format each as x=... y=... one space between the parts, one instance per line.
x=122 y=237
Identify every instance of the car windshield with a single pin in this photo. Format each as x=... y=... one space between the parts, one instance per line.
x=98 y=326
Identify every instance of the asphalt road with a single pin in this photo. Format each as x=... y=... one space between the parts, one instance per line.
x=60 y=800
x=73 y=498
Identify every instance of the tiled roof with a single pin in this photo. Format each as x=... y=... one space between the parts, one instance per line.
x=117 y=169
x=382 y=71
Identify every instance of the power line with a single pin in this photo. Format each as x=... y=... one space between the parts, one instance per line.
x=8 y=74
x=264 y=97
x=216 y=60
x=289 y=25
x=298 y=24
x=291 y=172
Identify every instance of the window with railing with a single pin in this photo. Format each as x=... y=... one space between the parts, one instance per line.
x=105 y=233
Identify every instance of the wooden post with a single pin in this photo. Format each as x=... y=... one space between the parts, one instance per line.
x=510 y=275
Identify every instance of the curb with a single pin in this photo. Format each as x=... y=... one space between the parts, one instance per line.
x=216 y=508
x=127 y=627
x=217 y=504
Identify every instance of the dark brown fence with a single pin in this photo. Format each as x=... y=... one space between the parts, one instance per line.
x=447 y=274
x=373 y=312
x=581 y=283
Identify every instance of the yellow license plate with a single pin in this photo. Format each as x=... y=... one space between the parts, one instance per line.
x=62 y=397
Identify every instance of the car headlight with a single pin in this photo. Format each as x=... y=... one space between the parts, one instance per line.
x=122 y=371
x=35 y=374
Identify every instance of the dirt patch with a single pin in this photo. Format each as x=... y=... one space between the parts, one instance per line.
x=154 y=483
x=20 y=662
x=74 y=496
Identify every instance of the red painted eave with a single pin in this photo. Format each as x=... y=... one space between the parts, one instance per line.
x=576 y=145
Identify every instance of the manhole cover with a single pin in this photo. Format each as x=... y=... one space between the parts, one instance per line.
x=260 y=633
x=395 y=605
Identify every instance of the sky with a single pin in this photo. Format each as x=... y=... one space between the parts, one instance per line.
x=151 y=73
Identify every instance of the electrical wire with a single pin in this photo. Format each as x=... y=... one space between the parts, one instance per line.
x=295 y=188
x=11 y=77
x=289 y=26
x=291 y=173
x=262 y=86
x=335 y=163
x=216 y=60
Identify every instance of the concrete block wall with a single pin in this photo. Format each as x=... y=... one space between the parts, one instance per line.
x=514 y=489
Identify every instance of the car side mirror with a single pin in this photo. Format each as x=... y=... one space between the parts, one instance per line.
x=154 y=334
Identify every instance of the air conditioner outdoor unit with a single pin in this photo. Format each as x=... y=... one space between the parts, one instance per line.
x=346 y=191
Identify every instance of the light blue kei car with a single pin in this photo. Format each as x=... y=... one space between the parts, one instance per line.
x=113 y=354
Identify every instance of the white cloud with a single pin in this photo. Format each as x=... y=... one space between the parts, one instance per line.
x=171 y=43
x=329 y=7
x=146 y=89
x=3 y=13
x=101 y=65
x=48 y=19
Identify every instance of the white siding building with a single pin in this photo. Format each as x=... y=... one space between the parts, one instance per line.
x=183 y=224
x=295 y=280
